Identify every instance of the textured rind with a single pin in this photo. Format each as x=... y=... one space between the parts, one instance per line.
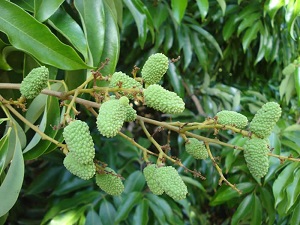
x=163 y=100
x=83 y=171
x=171 y=182
x=79 y=141
x=34 y=82
x=256 y=156
x=265 y=119
x=196 y=148
x=109 y=183
x=130 y=114
x=231 y=118
x=111 y=117
x=154 y=68
x=153 y=184
x=127 y=82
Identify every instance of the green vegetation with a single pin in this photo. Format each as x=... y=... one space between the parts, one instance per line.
x=105 y=134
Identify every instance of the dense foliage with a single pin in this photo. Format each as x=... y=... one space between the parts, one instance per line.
x=230 y=55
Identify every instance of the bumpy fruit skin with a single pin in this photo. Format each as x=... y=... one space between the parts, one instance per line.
x=111 y=117
x=171 y=182
x=153 y=184
x=196 y=148
x=110 y=183
x=127 y=82
x=154 y=68
x=130 y=114
x=265 y=119
x=83 y=171
x=256 y=156
x=163 y=100
x=232 y=118
x=34 y=82
x=79 y=141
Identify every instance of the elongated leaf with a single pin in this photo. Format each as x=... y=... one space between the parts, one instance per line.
x=243 y=209
x=281 y=183
x=293 y=190
x=178 y=9
x=135 y=182
x=26 y=33
x=226 y=193
x=43 y=9
x=159 y=216
x=175 y=80
x=68 y=204
x=295 y=220
x=208 y=37
x=203 y=6
x=222 y=4
x=256 y=212
x=140 y=20
x=3 y=149
x=94 y=27
x=267 y=201
x=67 y=26
x=11 y=186
x=187 y=50
x=140 y=216
x=297 y=80
x=93 y=218
x=68 y=217
x=111 y=49
x=251 y=34
x=127 y=205
x=107 y=212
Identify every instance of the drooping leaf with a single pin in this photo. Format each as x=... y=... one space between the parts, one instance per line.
x=93 y=218
x=203 y=6
x=141 y=216
x=243 y=209
x=43 y=9
x=127 y=205
x=94 y=27
x=107 y=212
x=67 y=26
x=178 y=9
x=11 y=186
x=29 y=35
x=135 y=182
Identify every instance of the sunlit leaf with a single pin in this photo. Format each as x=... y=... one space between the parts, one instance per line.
x=31 y=36
x=43 y=9
x=178 y=9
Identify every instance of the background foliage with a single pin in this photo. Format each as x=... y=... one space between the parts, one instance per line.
x=232 y=56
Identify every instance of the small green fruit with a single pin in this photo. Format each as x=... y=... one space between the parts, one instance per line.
x=196 y=148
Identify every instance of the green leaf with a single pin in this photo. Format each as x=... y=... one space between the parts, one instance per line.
x=29 y=35
x=297 y=80
x=94 y=27
x=127 y=205
x=175 y=80
x=243 y=209
x=222 y=4
x=293 y=190
x=135 y=182
x=272 y=7
x=93 y=218
x=43 y=9
x=159 y=215
x=82 y=198
x=67 y=26
x=200 y=50
x=187 y=49
x=4 y=143
x=162 y=205
x=203 y=6
x=267 y=201
x=178 y=9
x=50 y=118
x=107 y=212
x=11 y=186
x=140 y=216
x=68 y=217
x=229 y=27
x=208 y=37
x=226 y=193
x=251 y=34
x=256 y=217
x=248 y=22
x=282 y=181
x=111 y=49
x=140 y=19
x=295 y=219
